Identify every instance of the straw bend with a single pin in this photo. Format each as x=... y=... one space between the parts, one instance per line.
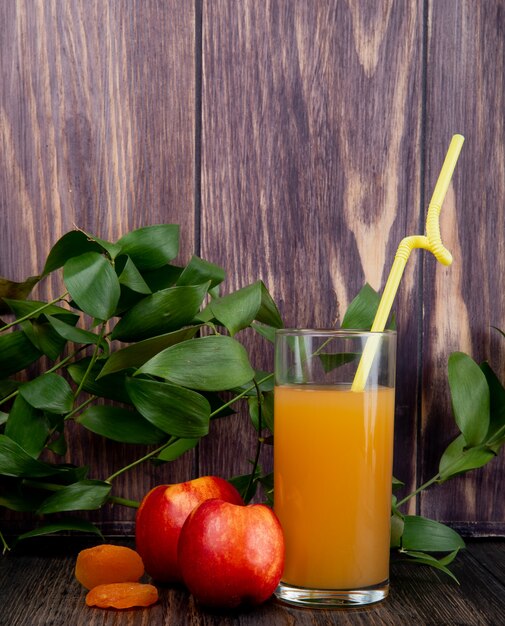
x=431 y=241
x=409 y=243
x=433 y=233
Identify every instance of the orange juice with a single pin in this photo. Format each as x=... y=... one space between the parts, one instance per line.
x=333 y=457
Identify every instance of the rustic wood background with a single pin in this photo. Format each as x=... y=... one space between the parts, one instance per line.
x=294 y=141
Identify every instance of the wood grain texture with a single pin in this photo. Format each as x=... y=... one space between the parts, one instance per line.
x=323 y=128
x=39 y=588
x=97 y=130
x=310 y=166
x=466 y=94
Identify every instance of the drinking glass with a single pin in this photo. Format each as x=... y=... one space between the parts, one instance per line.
x=333 y=455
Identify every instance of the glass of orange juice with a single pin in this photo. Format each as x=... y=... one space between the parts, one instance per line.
x=333 y=456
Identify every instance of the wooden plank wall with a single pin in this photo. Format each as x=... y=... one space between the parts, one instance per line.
x=98 y=131
x=294 y=141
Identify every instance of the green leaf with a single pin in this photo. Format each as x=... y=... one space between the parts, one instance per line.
x=361 y=312
x=449 y=558
x=7 y=387
x=48 y=392
x=397 y=526
x=267 y=482
x=198 y=271
x=446 y=560
x=397 y=483
x=15 y=461
x=10 y=289
x=497 y=408
x=458 y=459
x=130 y=276
x=23 y=502
x=111 y=386
x=420 y=558
x=217 y=404
x=73 y=243
x=85 y=495
x=120 y=424
x=58 y=445
x=3 y=417
x=137 y=354
x=470 y=397
x=44 y=337
x=36 y=308
x=246 y=484
x=173 y=409
x=16 y=353
x=71 y=333
x=62 y=524
x=424 y=534
x=239 y=309
x=112 y=249
x=268 y=332
x=162 y=278
x=332 y=361
x=176 y=449
x=127 y=300
x=152 y=246
x=93 y=284
x=264 y=380
x=27 y=426
x=38 y=331
x=267 y=410
x=66 y=473
x=161 y=312
x=214 y=363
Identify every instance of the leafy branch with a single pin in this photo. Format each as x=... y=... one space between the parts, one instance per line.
x=163 y=377
x=478 y=401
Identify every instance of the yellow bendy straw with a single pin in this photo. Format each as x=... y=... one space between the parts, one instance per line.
x=431 y=241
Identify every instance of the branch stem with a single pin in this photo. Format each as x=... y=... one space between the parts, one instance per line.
x=5 y=545
x=64 y=361
x=34 y=312
x=153 y=453
x=419 y=489
x=80 y=407
x=496 y=436
x=41 y=485
x=134 y=504
x=240 y=395
x=94 y=357
x=258 y=444
x=146 y=457
x=55 y=487
x=9 y=397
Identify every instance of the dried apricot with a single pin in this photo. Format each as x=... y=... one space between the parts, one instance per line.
x=122 y=595
x=107 y=563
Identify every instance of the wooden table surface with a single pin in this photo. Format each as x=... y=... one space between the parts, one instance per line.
x=38 y=588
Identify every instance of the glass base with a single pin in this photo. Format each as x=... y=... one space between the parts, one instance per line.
x=327 y=598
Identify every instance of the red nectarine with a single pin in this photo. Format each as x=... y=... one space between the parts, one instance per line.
x=231 y=555
x=161 y=515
